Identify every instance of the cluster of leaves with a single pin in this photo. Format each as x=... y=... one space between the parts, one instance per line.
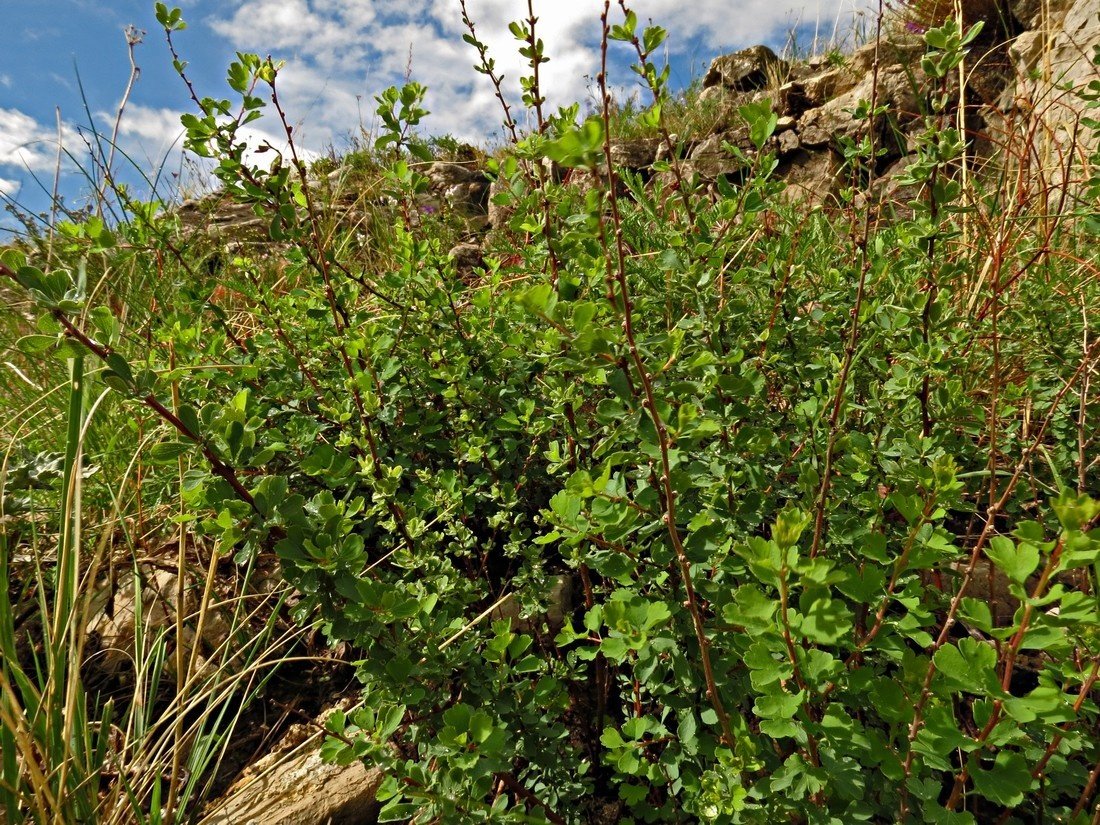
x=683 y=509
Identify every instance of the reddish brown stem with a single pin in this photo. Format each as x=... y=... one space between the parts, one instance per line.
x=616 y=264
x=853 y=330
x=975 y=556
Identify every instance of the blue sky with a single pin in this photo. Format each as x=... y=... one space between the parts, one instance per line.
x=339 y=54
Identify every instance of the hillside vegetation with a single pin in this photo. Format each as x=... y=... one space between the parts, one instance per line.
x=672 y=497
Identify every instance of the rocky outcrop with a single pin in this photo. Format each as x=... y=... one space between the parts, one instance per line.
x=1052 y=59
x=815 y=101
x=635 y=154
x=468 y=258
x=893 y=88
x=1056 y=49
x=744 y=71
x=144 y=602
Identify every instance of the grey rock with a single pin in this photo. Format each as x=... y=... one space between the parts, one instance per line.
x=715 y=95
x=463 y=186
x=468 y=258
x=663 y=153
x=899 y=50
x=1072 y=48
x=1029 y=13
x=293 y=785
x=892 y=193
x=558 y=601
x=499 y=213
x=787 y=142
x=791 y=100
x=710 y=158
x=443 y=174
x=811 y=176
x=826 y=123
x=744 y=70
x=1026 y=51
x=635 y=154
x=823 y=87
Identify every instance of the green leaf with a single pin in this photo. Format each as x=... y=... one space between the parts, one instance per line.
x=969 y=666
x=611 y=738
x=458 y=717
x=540 y=299
x=397 y=811
x=761 y=120
x=1006 y=782
x=751 y=609
x=789 y=526
x=768 y=665
x=1017 y=561
x=120 y=367
x=823 y=620
x=1074 y=511
x=481 y=726
x=977 y=614
x=819 y=666
x=652 y=38
x=778 y=705
x=614 y=648
x=167 y=452
x=36 y=344
x=190 y=418
x=578 y=146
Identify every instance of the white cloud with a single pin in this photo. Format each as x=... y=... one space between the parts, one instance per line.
x=9 y=188
x=26 y=143
x=156 y=131
x=329 y=29
x=341 y=53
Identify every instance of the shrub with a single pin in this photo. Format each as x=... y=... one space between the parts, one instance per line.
x=822 y=487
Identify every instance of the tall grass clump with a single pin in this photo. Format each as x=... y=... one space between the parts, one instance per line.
x=126 y=662
x=693 y=503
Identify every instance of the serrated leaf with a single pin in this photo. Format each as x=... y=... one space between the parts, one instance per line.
x=750 y=608
x=823 y=619
x=1006 y=782
x=778 y=705
x=969 y=665
x=1017 y=561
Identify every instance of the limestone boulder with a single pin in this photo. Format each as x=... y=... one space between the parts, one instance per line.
x=147 y=601
x=1073 y=46
x=744 y=70
x=1054 y=65
x=710 y=158
x=463 y=186
x=468 y=258
x=554 y=606
x=822 y=88
x=500 y=208
x=1029 y=13
x=811 y=176
x=895 y=89
x=635 y=155
x=293 y=785
x=1026 y=51
x=899 y=50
